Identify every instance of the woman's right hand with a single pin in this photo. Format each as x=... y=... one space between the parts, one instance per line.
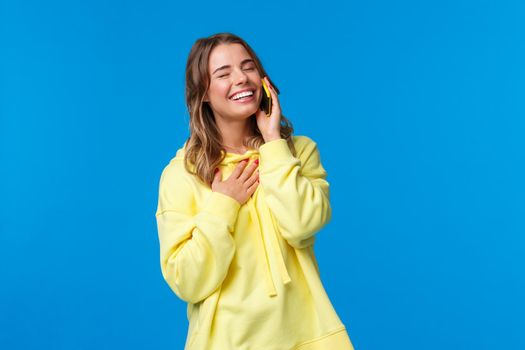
x=241 y=184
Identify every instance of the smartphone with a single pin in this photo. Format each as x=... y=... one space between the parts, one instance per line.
x=266 y=102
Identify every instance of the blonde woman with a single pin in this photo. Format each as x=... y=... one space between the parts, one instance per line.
x=238 y=209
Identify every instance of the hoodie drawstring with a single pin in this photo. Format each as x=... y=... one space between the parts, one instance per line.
x=261 y=247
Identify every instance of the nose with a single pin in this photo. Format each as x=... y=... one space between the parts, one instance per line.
x=240 y=77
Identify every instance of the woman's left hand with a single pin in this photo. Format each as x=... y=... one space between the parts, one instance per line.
x=270 y=127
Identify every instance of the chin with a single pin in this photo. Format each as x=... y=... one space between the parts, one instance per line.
x=248 y=114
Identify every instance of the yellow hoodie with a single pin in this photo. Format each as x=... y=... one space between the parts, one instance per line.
x=248 y=272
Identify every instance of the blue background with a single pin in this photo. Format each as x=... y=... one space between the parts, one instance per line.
x=418 y=112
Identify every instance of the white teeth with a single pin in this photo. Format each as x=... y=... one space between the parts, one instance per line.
x=242 y=94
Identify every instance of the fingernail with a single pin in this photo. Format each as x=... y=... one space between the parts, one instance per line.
x=256 y=161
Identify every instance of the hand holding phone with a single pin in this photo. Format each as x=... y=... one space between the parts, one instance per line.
x=269 y=112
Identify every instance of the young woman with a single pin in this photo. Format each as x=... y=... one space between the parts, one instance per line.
x=239 y=206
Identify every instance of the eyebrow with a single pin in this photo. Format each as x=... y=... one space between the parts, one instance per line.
x=228 y=66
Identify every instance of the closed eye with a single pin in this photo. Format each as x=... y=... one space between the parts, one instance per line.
x=223 y=75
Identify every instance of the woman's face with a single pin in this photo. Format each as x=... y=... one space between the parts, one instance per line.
x=233 y=70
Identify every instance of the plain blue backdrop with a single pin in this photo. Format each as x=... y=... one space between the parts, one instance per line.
x=418 y=112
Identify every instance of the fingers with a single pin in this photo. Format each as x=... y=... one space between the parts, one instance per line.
x=270 y=87
x=253 y=178
x=243 y=180
x=239 y=169
x=248 y=171
x=253 y=187
x=273 y=93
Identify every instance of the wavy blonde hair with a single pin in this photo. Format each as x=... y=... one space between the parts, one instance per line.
x=204 y=150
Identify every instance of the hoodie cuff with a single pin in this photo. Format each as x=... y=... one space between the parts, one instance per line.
x=223 y=207
x=274 y=150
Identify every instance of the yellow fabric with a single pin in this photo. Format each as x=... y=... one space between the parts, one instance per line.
x=224 y=258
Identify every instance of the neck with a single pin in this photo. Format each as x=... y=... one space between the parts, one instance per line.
x=234 y=132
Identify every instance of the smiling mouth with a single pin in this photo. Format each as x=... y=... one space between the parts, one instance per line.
x=245 y=98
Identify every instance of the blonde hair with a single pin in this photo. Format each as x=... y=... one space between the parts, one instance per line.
x=203 y=147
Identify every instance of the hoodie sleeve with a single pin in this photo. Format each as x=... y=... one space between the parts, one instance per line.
x=296 y=189
x=196 y=248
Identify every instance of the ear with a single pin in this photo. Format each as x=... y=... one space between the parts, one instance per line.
x=206 y=99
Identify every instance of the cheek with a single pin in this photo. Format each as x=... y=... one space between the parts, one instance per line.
x=221 y=90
